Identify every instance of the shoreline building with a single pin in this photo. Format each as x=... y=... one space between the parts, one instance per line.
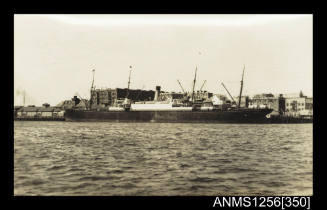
x=44 y=112
x=74 y=102
x=114 y=97
x=285 y=104
x=298 y=105
x=268 y=100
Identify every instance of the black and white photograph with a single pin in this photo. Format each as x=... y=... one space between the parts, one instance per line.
x=163 y=105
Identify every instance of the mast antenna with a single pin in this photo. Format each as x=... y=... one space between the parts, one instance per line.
x=239 y=100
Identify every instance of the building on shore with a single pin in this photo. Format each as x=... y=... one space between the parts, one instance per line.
x=277 y=103
x=44 y=112
x=16 y=108
x=299 y=105
x=73 y=103
x=284 y=104
x=113 y=97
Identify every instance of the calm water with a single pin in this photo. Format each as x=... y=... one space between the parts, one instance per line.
x=66 y=158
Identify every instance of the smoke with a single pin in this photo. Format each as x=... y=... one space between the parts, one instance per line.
x=20 y=92
x=22 y=95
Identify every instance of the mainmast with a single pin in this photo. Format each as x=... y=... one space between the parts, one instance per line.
x=127 y=102
x=194 y=84
x=92 y=88
x=239 y=100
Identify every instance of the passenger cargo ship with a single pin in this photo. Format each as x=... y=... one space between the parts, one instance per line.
x=232 y=116
x=156 y=111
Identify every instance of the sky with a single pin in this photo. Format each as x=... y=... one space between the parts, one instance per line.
x=54 y=55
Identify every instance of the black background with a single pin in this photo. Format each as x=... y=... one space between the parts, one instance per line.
x=118 y=202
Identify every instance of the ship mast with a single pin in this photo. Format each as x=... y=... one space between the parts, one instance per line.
x=194 y=84
x=239 y=100
x=129 y=81
x=93 y=72
x=92 y=88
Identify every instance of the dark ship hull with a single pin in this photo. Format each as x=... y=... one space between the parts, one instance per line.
x=217 y=116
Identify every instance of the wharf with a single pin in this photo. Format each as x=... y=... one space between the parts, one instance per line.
x=289 y=119
x=39 y=118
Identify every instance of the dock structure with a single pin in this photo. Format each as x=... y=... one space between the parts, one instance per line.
x=33 y=113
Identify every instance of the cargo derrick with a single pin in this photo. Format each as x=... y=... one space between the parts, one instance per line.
x=203 y=85
x=228 y=92
x=195 y=105
x=181 y=86
x=186 y=97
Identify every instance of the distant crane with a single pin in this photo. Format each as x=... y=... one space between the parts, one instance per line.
x=181 y=86
x=203 y=85
x=228 y=92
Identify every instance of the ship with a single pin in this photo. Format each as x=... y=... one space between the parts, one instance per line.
x=191 y=111
x=230 y=116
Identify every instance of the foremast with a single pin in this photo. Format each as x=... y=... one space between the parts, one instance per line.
x=127 y=102
x=239 y=99
x=196 y=69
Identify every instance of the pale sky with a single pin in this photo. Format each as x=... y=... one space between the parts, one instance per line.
x=54 y=54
